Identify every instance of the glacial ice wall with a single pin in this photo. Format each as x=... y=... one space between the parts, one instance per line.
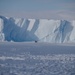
x=43 y=30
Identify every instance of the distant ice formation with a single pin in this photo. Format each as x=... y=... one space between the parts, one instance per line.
x=44 y=30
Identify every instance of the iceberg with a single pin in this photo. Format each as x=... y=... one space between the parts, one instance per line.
x=42 y=30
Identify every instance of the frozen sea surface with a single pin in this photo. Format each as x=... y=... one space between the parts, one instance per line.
x=37 y=59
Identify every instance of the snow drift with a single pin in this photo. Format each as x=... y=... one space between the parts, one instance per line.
x=44 y=30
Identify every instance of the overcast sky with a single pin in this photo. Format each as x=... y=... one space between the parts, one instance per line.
x=51 y=9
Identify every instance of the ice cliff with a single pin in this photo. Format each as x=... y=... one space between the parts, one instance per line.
x=43 y=30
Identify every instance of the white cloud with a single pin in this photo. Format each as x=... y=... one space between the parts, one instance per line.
x=54 y=14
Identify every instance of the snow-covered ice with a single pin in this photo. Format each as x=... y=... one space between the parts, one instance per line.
x=28 y=58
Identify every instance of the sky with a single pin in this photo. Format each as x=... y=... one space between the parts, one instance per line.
x=50 y=9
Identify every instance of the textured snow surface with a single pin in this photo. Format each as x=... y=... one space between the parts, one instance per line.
x=37 y=59
x=44 y=30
